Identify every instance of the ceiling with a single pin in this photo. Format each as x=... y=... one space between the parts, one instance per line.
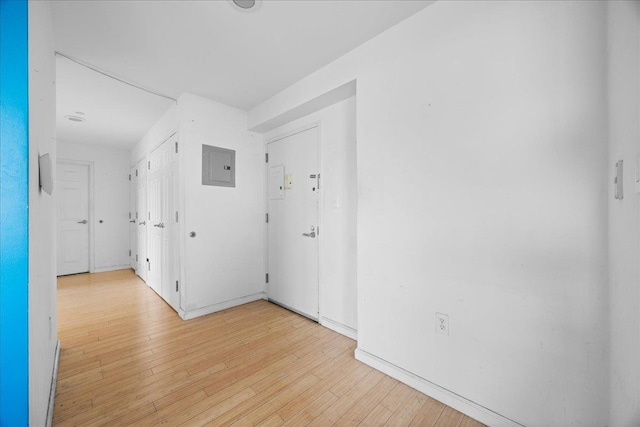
x=208 y=48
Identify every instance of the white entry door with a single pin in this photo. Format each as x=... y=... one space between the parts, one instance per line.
x=141 y=218
x=162 y=222
x=73 y=218
x=133 y=230
x=293 y=222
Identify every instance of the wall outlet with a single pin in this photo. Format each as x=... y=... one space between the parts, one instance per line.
x=442 y=323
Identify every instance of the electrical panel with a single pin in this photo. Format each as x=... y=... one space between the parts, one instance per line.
x=218 y=166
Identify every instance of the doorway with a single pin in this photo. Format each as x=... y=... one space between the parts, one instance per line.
x=293 y=232
x=73 y=222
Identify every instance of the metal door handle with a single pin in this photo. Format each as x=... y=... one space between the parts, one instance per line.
x=159 y=225
x=312 y=234
x=142 y=223
x=133 y=221
x=84 y=221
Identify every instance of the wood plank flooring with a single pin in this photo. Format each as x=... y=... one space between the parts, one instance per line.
x=128 y=359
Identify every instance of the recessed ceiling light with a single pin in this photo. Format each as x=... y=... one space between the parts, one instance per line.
x=246 y=5
x=74 y=118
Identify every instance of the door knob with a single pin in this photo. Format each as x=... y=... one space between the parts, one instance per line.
x=142 y=223
x=312 y=234
x=84 y=221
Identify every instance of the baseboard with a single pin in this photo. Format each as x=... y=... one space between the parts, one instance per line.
x=339 y=328
x=114 y=268
x=52 y=390
x=449 y=398
x=203 y=311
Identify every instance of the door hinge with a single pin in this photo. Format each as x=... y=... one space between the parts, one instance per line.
x=266 y=218
x=149 y=165
x=136 y=258
x=129 y=252
x=176 y=286
x=136 y=215
x=266 y=278
x=318 y=181
x=176 y=216
x=136 y=172
x=266 y=157
x=149 y=215
x=129 y=215
x=318 y=231
x=176 y=152
x=129 y=177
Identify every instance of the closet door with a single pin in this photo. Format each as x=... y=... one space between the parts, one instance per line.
x=162 y=224
x=141 y=218
x=154 y=220
x=170 y=217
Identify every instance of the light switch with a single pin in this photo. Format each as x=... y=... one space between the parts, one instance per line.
x=336 y=202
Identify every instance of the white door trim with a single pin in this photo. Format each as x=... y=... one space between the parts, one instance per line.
x=92 y=242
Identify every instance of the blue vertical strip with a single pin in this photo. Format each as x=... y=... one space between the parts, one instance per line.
x=14 y=214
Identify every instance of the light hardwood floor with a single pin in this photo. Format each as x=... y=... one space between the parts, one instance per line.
x=128 y=359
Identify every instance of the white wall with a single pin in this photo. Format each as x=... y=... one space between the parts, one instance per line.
x=42 y=236
x=482 y=194
x=166 y=126
x=110 y=201
x=225 y=261
x=624 y=137
x=224 y=264
x=337 y=240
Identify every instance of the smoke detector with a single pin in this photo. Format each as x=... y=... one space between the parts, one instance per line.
x=245 y=5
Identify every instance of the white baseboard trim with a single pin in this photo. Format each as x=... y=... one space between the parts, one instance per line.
x=192 y=314
x=339 y=328
x=52 y=390
x=449 y=398
x=114 y=268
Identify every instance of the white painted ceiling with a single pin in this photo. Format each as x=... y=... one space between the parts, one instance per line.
x=204 y=47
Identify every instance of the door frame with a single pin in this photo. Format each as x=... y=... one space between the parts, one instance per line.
x=92 y=242
x=133 y=190
x=308 y=126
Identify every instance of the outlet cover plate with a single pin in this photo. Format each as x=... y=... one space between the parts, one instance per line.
x=442 y=323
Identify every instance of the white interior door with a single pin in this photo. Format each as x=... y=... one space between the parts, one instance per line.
x=293 y=222
x=141 y=218
x=170 y=250
x=133 y=230
x=154 y=220
x=162 y=222
x=73 y=218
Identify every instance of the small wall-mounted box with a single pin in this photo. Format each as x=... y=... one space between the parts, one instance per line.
x=218 y=166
